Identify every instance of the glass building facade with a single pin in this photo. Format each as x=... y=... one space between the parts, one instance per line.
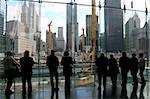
x=123 y=25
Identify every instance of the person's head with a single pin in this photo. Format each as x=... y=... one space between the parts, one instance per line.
x=66 y=53
x=111 y=56
x=52 y=52
x=9 y=53
x=141 y=55
x=26 y=53
x=133 y=55
x=102 y=55
x=124 y=54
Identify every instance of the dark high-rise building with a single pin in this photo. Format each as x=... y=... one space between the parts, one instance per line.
x=2 y=13
x=89 y=31
x=113 y=26
x=72 y=27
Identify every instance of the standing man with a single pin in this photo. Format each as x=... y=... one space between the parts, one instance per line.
x=134 y=68
x=53 y=63
x=124 y=63
x=113 y=70
x=141 y=67
x=67 y=63
x=26 y=63
x=102 y=63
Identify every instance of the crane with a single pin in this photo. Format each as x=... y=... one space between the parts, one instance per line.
x=49 y=39
x=83 y=58
x=94 y=27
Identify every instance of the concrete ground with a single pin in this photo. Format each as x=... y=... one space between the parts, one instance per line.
x=85 y=92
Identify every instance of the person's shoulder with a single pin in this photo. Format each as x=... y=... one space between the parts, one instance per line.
x=31 y=58
x=21 y=58
x=55 y=56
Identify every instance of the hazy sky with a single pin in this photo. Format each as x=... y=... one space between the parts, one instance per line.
x=57 y=13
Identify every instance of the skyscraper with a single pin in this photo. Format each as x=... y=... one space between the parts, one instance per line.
x=89 y=31
x=60 y=40
x=24 y=14
x=113 y=16
x=29 y=17
x=72 y=27
x=1 y=25
x=60 y=33
x=132 y=25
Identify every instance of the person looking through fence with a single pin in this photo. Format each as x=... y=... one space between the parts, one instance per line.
x=67 y=63
x=113 y=70
x=102 y=63
x=53 y=63
x=134 y=69
x=11 y=71
x=26 y=63
x=141 y=65
x=124 y=63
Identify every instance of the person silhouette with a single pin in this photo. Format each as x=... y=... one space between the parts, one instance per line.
x=134 y=93
x=53 y=63
x=134 y=68
x=141 y=67
x=113 y=70
x=102 y=63
x=124 y=63
x=123 y=94
x=67 y=63
x=26 y=63
x=141 y=96
x=10 y=66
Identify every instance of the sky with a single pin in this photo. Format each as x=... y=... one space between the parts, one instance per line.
x=57 y=13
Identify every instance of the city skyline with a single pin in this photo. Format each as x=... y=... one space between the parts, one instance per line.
x=58 y=15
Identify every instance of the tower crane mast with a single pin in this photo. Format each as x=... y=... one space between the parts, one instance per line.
x=49 y=39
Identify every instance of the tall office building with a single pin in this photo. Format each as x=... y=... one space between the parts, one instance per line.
x=89 y=31
x=29 y=17
x=17 y=39
x=60 y=33
x=53 y=40
x=60 y=40
x=113 y=16
x=72 y=27
x=2 y=13
x=24 y=14
x=132 y=25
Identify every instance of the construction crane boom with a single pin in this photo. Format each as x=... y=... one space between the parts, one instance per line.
x=49 y=39
x=83 y=57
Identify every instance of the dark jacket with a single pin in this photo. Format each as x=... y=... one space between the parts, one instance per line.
x=26 y=65
x=124 y=63
x=67 y=65
x=113 y=67
x=52 y=62
x=133 y=63
x=102 y=63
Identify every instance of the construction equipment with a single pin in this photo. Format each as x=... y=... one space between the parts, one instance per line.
x=94 y=27
x=49 y=39
x=83 y=57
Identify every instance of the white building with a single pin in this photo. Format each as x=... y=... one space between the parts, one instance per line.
x=18 y=40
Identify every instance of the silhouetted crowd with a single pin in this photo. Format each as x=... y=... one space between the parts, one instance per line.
x=111 y=67
x=105 y=67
